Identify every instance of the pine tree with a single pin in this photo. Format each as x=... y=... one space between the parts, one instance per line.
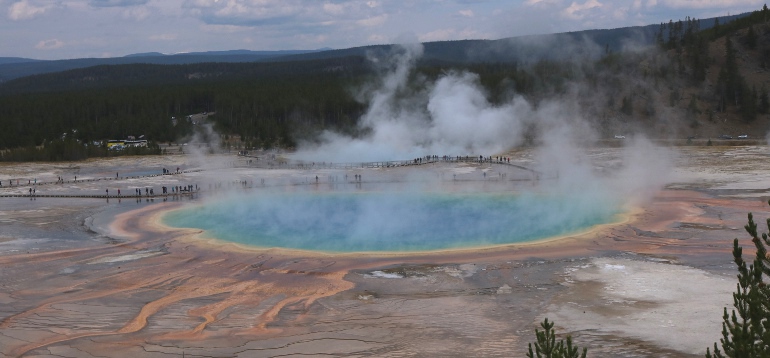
x=751 y=38
x=748 y=103
x=730 y=84
x=547 y=347
x=697 y=54
x=692 y=108
x=627 y=106
x=659 y=35
x=671 y=35
x=764 y=101
x=721 y=89
x=746 y=332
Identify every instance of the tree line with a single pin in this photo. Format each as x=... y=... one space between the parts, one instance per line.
x=277 y=104
x=264 y=111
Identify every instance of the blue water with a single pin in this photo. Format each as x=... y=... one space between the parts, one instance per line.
x=388 y=221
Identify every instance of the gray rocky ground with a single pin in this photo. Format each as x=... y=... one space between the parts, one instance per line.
x=97 y=278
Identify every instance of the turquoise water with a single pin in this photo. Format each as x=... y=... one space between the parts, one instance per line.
x=388 y=221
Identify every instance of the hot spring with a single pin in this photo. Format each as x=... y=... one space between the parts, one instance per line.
x=391 y=221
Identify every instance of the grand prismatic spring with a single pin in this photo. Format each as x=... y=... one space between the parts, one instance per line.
x=389 y=221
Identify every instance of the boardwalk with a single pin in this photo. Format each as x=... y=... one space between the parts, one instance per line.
x=244 y=162
x=259 y=162
x=30 y=185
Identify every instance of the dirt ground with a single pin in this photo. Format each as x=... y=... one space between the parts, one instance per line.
x=98 y=278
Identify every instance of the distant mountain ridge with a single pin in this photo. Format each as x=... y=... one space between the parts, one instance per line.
x=10 y=60
x=514 y=49
x=13 y=67
x=145 y=54
x=230 y=53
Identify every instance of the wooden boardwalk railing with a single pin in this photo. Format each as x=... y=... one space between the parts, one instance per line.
x=261 y=164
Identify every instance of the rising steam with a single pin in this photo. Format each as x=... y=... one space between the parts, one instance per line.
x=452 y=116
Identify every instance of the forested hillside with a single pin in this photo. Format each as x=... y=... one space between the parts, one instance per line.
x=695 y=80
x=258 y=100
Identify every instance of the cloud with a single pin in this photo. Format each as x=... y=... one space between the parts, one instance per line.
x=247 y=12
x=163 y=37
x=373 y=21
x=117 y=3
x=313 y=38
x=376 y=38
x=293 y=16
x=452 y=34
x=334 y=9
x=706 y=4
x=578 y=11
x=49 y=44
x=222 y=29
x=24 y=10
x=541 y=2
x=466 y=13
x=438 y=35
x=136 y=13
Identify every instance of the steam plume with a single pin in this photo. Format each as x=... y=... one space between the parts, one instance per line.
x=452 y=116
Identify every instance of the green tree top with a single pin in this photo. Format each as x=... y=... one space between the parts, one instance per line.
x=746 y=331
x=547 y=347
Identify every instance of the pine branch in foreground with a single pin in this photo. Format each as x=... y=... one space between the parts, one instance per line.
x=746 y=331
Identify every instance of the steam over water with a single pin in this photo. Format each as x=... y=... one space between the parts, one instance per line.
x=390 y=221
x=411 y=117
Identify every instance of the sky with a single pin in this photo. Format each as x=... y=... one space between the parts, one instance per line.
x=62 y=29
